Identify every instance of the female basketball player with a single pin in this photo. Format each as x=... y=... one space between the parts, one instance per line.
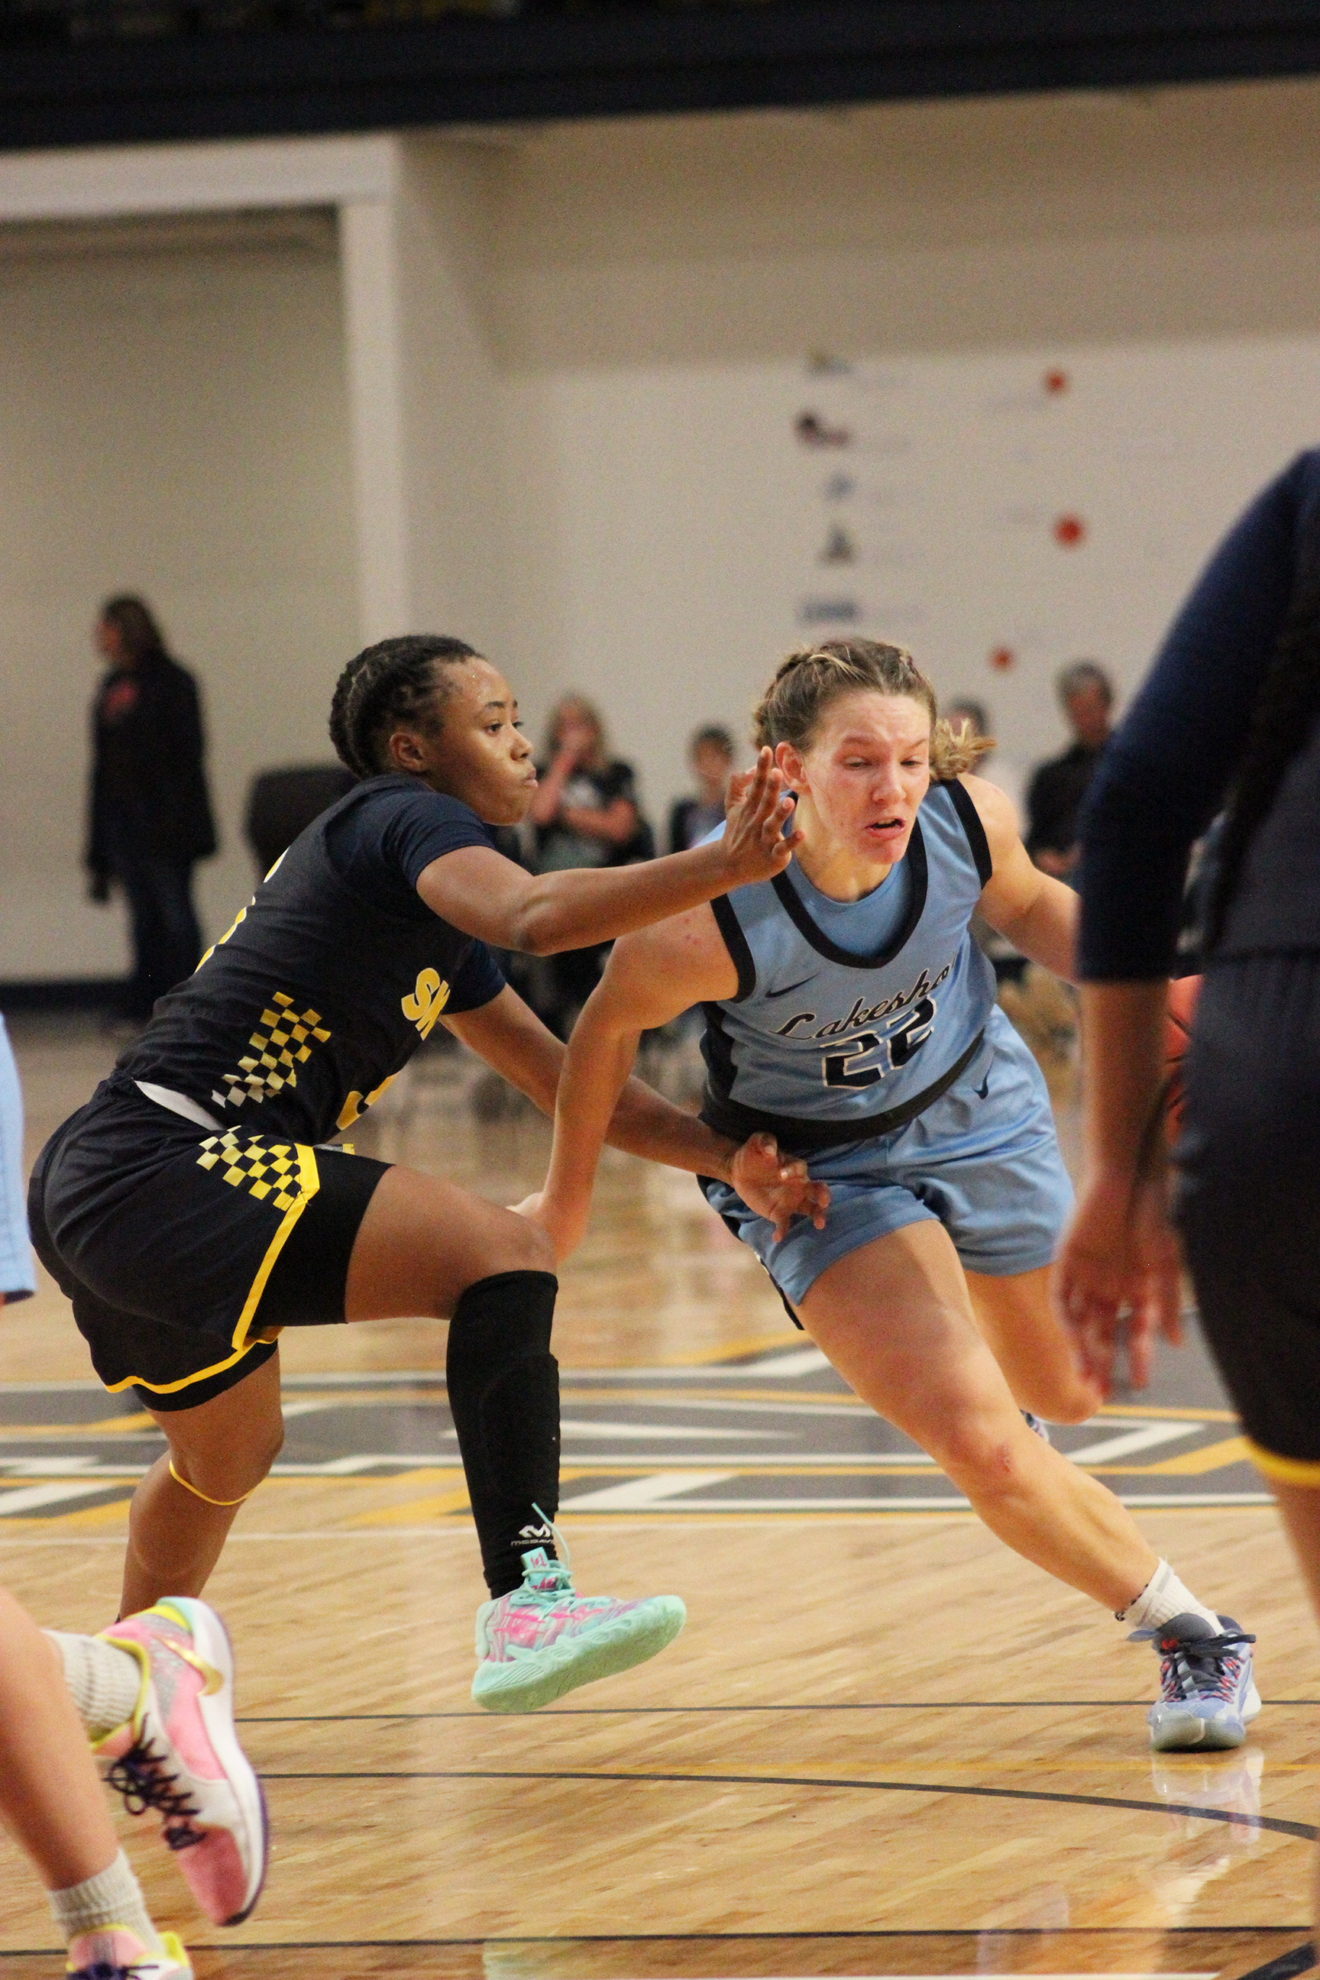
x=1230 y=706
x=192 y=1210
x=849 y=1014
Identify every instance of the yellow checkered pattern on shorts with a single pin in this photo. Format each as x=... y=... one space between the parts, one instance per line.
x=280 y=1044
x=262 y=1169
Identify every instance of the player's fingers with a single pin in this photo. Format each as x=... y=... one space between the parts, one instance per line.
x=761 y=774
x=1139 y=1336
x=771 y=813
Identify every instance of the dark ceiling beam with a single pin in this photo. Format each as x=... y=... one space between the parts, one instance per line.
x=464 y=69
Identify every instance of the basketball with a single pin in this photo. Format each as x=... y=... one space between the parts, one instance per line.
x=1178 y=1016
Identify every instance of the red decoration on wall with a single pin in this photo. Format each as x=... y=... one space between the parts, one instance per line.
x=1056 y=380
x=1002 y=658
x=1069 y=531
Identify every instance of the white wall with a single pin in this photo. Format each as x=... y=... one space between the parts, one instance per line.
x=692 y=522
x=172 y=420
x=545 y=400
x=658 y=288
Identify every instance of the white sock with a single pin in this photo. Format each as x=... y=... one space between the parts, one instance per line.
x=103 y=1681
x=112 y=1897
x=1163 y=1598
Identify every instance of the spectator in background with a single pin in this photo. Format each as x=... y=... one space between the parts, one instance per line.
x=585 y=813
x=710 y=752
x=1003 y=771
x=150 y=812
x=1056 y=791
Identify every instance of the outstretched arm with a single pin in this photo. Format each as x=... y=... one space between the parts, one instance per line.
x=484 y=894
x=512 y=1039
x=649 y=979
x=1037 y=914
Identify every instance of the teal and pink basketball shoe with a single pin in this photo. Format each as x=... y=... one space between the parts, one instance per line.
x=544 y=1639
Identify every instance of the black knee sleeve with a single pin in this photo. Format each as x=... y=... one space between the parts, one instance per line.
x=504 y=1399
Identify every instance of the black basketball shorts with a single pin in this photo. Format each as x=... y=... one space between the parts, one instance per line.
x=185 y=1253
x=1248 y=1198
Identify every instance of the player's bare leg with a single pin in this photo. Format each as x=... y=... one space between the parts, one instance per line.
x=181 y=1512
x=420 y=1243
x=426 y=1249
x=51 y=1799
x=1300 y=1507
x=53 y=1804
x=1017 y=1319
x=423 y=1241
x=895 y=1319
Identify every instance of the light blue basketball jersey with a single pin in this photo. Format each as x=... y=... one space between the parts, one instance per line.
x=825 y=1043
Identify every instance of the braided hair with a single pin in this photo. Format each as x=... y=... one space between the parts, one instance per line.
x=807 y=681
x=397 y=680
x=1281 y=721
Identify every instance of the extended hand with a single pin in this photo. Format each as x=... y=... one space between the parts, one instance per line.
x=1118 y=1271
x=755 y=843
x=776 y=1187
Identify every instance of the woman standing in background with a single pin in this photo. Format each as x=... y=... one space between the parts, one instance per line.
x=586 y=814
x=150 y=811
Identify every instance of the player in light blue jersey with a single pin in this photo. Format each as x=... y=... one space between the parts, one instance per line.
x=850 y=1020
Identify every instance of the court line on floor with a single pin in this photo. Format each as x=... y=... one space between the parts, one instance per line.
x=635 y=1711
x=1274 y=1823
x=832 y=1934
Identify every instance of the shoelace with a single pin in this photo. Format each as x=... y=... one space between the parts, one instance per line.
x=557 y=1590
x=1201 y=1665
x=101 y=1971
x=561 y=1544
x=140 y=1777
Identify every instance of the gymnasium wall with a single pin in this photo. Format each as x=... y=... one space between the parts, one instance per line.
x=545 y=388
x=660 y=289
x=172 y=420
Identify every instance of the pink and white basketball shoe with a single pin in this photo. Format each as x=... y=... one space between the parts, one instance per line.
x=179 y=1754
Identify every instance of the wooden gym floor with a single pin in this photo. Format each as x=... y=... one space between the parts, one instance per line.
x=883 y=1745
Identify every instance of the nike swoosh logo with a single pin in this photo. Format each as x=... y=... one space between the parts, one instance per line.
x=789 y=989
x=983 y=1090
x=212 y=1680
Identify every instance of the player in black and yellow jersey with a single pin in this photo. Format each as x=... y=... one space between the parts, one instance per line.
x=192 y=1209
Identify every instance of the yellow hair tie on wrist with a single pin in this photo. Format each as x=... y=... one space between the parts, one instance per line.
x=202 y=1496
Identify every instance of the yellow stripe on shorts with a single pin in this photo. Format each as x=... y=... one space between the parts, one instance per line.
x=1288 y=1471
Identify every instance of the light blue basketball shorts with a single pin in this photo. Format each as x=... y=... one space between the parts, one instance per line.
x=983 y=1161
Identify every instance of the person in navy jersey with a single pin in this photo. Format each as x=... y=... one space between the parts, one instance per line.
x=192 y=1209
x=851 y=1021
x=1229 y=717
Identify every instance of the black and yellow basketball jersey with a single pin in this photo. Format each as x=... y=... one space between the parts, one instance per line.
x=330 y=977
